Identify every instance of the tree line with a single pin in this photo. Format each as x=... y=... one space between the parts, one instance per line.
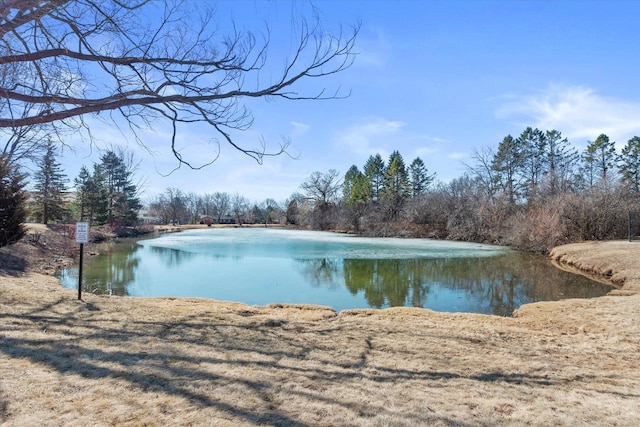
x=533 y=192
x=175 y=206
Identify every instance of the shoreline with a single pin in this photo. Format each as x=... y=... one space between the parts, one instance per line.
x=612 y=262
x=607 y=262
x=530 y=290
x=596 y=260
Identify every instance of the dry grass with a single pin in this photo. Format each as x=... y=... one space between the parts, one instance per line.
x=613 y=261
x=139 y=361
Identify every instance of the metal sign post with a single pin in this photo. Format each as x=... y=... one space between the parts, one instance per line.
x=82 y=237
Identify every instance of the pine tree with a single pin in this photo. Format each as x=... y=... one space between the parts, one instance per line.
x=374 y=172
x=50 y=186
x=561 y=161
x=81 y=184
x=420 y=179
x=396 y=187
x=532 y=147
x=356 y=187
x=599 y=157
x=506 y=164
x=396 y=179
x=630 y=164
x=347 y=185
x=122 y=201
x=91 y=196
x=292 y=212
x=358 y=199
x=13 y=200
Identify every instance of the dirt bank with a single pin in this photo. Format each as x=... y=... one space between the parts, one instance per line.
x=615 y=262
x=136 y=361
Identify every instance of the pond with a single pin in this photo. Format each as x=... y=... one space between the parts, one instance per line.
x=259 y=266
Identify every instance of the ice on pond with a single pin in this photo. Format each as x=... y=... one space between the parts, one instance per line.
x=258 y=242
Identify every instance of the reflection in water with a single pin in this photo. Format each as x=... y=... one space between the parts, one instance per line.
x=496 y=285
x=322 y=272
x=487 y=284
x=109 y=273
x=171 y=257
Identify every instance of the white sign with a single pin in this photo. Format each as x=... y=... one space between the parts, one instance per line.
x=82 y=232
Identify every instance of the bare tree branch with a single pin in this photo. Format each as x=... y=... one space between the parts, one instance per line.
x=71 y=59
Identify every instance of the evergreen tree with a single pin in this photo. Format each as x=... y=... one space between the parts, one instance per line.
x=81 y=202
x=587 y=170
x=347 y=185
x=13 y=199
x=599 y=157
x=358 y=196
x=356 y=187
x=532 y=147
x=396 y=187
x=122 y=201
x=374 y=172
x=396 y=179
x=360 y=191
x=50 y=186
x=98 y=196
x=629 y=164
x=91 y=196
x=111 y=170
x=419 y=177
x=561 y=161
x=506 y=164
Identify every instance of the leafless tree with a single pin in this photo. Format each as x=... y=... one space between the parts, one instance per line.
x=322 y=188
x=64 y=60
x=483 y=171
x=221 y=202
x=239 y=206
x=322 y=191
x=20 y=143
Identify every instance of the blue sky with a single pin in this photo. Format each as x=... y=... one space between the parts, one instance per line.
x=435 y=79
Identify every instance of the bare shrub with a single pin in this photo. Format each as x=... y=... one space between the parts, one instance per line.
x=430 y=210
x=597 y=214
x=539 y=228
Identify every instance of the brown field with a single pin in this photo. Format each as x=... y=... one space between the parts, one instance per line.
x=138 y=361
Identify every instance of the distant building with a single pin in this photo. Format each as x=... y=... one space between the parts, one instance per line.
x=208 y=219
x=226 y=220
x=146 y=217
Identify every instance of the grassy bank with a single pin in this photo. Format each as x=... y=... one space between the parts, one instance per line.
x=136 y=361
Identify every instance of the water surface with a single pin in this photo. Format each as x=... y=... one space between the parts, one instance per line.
x=262 y=266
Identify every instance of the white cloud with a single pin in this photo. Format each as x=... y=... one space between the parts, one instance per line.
x=580 y=113
x=457 y=156
x=298 y=129
x=426 y=151
x=369 y=137
x=437 y=139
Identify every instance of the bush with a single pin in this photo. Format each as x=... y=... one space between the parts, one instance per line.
x=598 y=214
x=539 y=228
